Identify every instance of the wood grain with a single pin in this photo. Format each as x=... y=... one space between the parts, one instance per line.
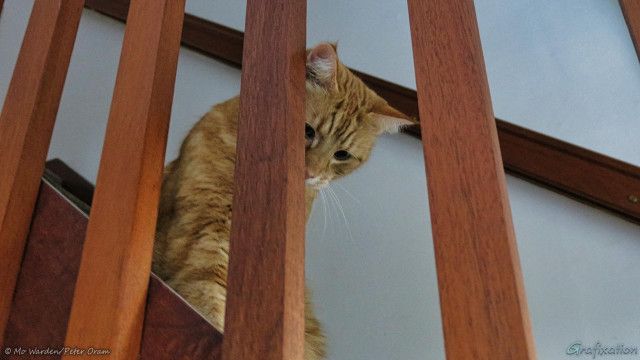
x=631 y=12
x=108 y=305
x=71 y=181
x=482 y=297
x=199 y=34
x=26 y=124
x=118 y=9
x=44 y=291
x=174 y=330
x=584 y=175
x=265 y=300
x=520 y=157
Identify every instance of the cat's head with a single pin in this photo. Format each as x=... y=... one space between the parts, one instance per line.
x=344 y=118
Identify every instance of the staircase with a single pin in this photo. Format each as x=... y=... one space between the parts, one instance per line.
x=44 y=292
x=52 y=294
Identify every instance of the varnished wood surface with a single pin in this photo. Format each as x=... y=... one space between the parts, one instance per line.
x=174 y=330
x=520 y=157
x=26 y=124
x=265 y=299
x=482 y=298
x=71 y=180
x=44 y=291
x=201 y=35
x=108 y=305
x=584 y=175
x=631 y=12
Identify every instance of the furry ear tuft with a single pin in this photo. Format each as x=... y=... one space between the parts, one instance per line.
x=390 y=120
x=322 y=64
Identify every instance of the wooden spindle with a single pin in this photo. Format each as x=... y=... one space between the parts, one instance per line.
x=482 y=297
x=631 y=13
x=109 y=299
x=26 y=124
x=265 y=299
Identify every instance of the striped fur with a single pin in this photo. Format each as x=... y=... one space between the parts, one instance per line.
x=191 y=250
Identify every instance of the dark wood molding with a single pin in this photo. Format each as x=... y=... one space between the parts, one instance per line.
x=201 y=35
x=44 y=291
x=579 y=173
x=174 y=330
x=71 y=181
x=631 y=12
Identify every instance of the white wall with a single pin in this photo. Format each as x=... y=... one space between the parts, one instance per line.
x=566 y=68
x=374 y=279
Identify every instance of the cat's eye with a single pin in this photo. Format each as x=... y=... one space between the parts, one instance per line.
x=309 y=132
x=341 y=155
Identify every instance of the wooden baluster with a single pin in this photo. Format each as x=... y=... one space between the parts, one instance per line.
x=109 y=299
x=26 y=124
x=482 y=297
x=265 y=300
x=631 y=12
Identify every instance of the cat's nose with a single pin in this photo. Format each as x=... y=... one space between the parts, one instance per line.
x=307 y=175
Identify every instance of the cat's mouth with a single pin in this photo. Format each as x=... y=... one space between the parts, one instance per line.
x=316 y=182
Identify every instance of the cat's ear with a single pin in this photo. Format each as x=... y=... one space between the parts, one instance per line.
x=322 y=64
x=390 y=120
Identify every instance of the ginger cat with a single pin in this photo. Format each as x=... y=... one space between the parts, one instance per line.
x=191 y=253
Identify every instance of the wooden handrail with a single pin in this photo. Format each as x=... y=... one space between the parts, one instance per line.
x=265 y=292
x=537 y=158
x=482 y=298
x=631 y=12
x=483 y=302
x=26 y=125
x=44 y=291
x=109 y=299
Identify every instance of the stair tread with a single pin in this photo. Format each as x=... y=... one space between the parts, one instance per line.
x=44 y=292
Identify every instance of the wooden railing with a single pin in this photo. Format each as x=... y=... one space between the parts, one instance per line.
x=482 y=295
x=631 y=13
x=540 y=159
x=480 y=283
x=108 y=304
x=26 y=125
x=265 y=292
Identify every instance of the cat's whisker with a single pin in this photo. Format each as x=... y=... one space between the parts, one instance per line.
x=324 y=212
x=330 y=207
x=191 y=177
x=344 y=217
x=364 y=208
x=348 y=193
x=351 y=195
